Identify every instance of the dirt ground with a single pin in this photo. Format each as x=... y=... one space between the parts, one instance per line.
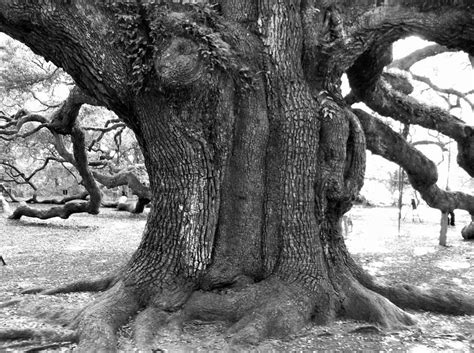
x=53 y=252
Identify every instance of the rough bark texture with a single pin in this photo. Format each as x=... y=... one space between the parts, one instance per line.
x=253 y=156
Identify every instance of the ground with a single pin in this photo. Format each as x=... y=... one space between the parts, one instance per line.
x=53 y=252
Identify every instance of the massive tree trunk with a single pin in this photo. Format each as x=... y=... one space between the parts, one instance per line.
x=252 y=154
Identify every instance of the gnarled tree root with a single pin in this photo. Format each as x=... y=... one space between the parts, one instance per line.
x=406 y=296
x=273 y=308
x=270 y=308
x=363 y=304
x=434 y=300
x=9 y=303
x=93 y=285
x=97 y=324
x=52 y=335
x=153 y=323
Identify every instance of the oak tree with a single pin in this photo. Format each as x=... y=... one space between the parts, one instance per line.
x=253 y=155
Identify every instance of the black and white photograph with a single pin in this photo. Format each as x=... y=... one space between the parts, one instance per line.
x=237 y=176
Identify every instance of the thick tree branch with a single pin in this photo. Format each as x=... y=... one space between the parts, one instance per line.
x=448 y=23
x=129 y=178
x=369 y=86
x=408 y=110
x=421 y=171
x=15 y=123
x=126 y=177
x=335 y=39
x=82 y=45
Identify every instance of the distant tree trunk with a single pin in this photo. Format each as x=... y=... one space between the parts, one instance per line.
x=401 y=180
x=444 y=229
x=252 y=154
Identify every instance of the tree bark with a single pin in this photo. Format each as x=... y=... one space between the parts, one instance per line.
x=253 y=157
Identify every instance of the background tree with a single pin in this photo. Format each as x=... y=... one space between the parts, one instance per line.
x=252 y=153
x=30 y=152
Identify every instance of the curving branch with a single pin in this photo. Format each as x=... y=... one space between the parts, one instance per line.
x=27 y=178
x=370 y=86
x=116 y=125
x=441 y=145
x=421 y=171
x=408 y=61
x=64 y=121
x=129 y=178
x=92 y=66
x=15 y=123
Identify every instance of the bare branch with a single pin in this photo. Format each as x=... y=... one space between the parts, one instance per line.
x=441 y=145
x=20 y=174
x=411 y=59
x=105 y=129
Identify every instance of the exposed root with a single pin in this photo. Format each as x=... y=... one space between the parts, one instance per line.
x=9 y=303
x=434 y=300
x=34 y=347
x=363 y=304
x=153 y=323
x=147 y=324
x=270 y=308
x=52 y=335
x=96 y=324
x=282 y=315
x=94 y=285
x=411 y=297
